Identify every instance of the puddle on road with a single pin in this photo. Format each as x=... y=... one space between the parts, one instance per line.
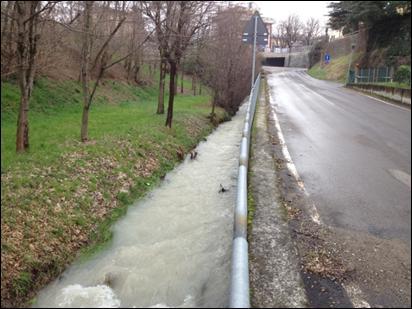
x=173 y=248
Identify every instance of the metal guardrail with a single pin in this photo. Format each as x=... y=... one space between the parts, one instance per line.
x=239 y=290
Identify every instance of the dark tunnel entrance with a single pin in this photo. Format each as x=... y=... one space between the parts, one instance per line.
x=274 y=62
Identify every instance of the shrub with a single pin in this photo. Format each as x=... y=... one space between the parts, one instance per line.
x=403 y=74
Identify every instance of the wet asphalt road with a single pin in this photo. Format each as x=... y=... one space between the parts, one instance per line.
x=352 y=152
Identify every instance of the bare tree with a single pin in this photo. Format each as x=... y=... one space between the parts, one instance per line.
x=176 y=23
x=159 y=12
x=8 y=46
x=101 y=58
x=226 y=61
x=291 y=30
x=27 y=15
x=311 y=30
x=133 y=33
x=85 y=64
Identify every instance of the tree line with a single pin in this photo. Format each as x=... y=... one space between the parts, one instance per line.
x=293 y=30
x=97 y=38
x=388 y=24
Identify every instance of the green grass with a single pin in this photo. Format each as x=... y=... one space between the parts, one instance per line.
x=60 y=198
x=251 y=205
x=55 y=115
x=336 y=70
x=317 y=72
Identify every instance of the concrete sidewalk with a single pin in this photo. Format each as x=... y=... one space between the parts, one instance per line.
x=274 y=272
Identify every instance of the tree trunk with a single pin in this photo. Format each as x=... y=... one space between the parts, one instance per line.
x=85 y=71
x=200 y=88
x=212 y=114
x=176 y=79
x=153 y=70
x=194 y=81
x=171 y=94
x=85 y=124
x=22 y=50
x=22 y=137
x=160 y=104
x=181 y=81
x=27 y=41
x=290 y=51
x=136 y=70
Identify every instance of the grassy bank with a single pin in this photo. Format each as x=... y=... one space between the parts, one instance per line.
x=336 y=70
x=60 y=198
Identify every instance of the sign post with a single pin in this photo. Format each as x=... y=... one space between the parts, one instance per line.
x=255 y=33
x=254 y=51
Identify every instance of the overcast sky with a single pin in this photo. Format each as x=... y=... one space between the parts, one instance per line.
x=280 y=10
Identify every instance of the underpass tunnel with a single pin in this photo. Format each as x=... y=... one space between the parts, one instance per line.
x=274 y=61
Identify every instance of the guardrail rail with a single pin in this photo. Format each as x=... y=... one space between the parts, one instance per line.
x=239 y=290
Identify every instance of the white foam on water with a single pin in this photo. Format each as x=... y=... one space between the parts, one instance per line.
x=76 y=295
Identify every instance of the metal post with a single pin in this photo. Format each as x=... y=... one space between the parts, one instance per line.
x=254 y=53
x=350 y=63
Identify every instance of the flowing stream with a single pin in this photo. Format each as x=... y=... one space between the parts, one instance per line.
x=173 y=247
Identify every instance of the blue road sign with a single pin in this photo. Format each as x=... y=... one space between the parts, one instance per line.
x=327 y=58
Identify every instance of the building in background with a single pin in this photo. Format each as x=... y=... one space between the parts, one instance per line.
x=269 y=23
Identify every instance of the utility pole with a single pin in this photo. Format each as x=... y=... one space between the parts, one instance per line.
x=254 y=52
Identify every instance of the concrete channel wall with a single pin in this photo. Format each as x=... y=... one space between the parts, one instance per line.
x=298 y=60
x=395 y=94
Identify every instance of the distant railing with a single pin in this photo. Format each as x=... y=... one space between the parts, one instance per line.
x=239 y=290
x=294 y=49
x=371 y=75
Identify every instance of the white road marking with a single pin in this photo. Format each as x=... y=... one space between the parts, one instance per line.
x=379 y=100
x=291 y=166
x=364 y=94
x=310 y=91
x=401 y=176
x=317 y=94
x=356 y=296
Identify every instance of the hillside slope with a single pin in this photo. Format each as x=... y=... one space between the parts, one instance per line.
x=336 y=70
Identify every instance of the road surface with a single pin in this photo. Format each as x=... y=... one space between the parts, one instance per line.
x=352 y=152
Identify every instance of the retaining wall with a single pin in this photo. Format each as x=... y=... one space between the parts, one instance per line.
x=395 y=94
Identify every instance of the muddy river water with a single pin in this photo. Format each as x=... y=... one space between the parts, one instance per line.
x=173 y=247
